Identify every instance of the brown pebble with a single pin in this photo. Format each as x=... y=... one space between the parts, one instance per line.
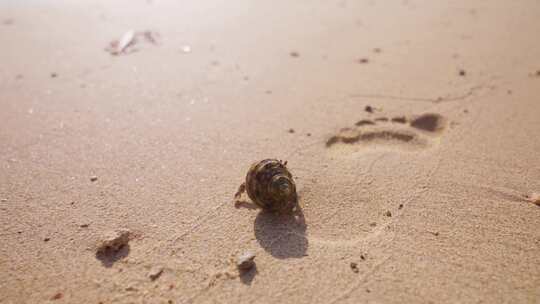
x=363 y=257
x=294 y=54
x=268 y=92
x=245 y=261
x=354 y=267
x=46 y=239
x=84 y=225
x=155 y=273
x=93 y=178
x=363 y=60
x=388 y=213
x=373 y=224
x=462 y=73
x=377 y=50
x=538 y=73
x=291 y=131
x=400 y=206
x=368 y=109
x=57 y=296
x=54 y=75
x=308 y=134
x=114 y=241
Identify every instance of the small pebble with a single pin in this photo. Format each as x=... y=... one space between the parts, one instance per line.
x=93 y=178
x=308 y=134
x=377 y=50
x=373 y=224
x=245 y=261
x=84 y=225
x=368 y=109
x=294 y=54
x=354 y=267
x=114 y=241
x=46 y=239
x=363 y=60
x=363 y=257
x=54 y=75
x=388 y=213
x=155 y=273
x=400 y=206
x=462 y=73
x=57 y=296
x=3 y=200
x=291 y=131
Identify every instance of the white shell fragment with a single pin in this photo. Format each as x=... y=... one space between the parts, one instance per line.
x=245 y=261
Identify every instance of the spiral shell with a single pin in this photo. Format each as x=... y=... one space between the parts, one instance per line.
x=271 y=186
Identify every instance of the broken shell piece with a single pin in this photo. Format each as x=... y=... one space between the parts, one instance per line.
x=125 y=41
x=245 y=261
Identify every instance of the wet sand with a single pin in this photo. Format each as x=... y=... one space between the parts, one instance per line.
x=411 y=128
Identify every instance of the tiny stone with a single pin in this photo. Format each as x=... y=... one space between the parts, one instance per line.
x=291 y=130
x=538 y=73
x=377 y=50
x=245 y=261
x=462 y=73
x=308 y=134
x=363 y=257
x=294 y=54
x=373 y=224
x=57 y=296
x=3 y=200
x=93 y=178
x=400 y=206
x=354 y=267
x=54 y=75
x=46 y=239
x=388 y=213
x=114 y=241
x=363 y=60
x=368 y=109
x=84 y=225
x=155 y=272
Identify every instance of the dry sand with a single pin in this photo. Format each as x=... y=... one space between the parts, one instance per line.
x=428 y=209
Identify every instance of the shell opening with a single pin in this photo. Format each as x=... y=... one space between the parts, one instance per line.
x=281 y=186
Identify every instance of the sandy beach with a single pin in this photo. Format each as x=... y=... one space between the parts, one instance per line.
x=411 y=129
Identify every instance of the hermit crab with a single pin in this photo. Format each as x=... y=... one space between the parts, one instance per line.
x=270 y=186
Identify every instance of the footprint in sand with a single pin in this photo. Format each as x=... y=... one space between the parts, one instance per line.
x=359 y=193
x=400 y=132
